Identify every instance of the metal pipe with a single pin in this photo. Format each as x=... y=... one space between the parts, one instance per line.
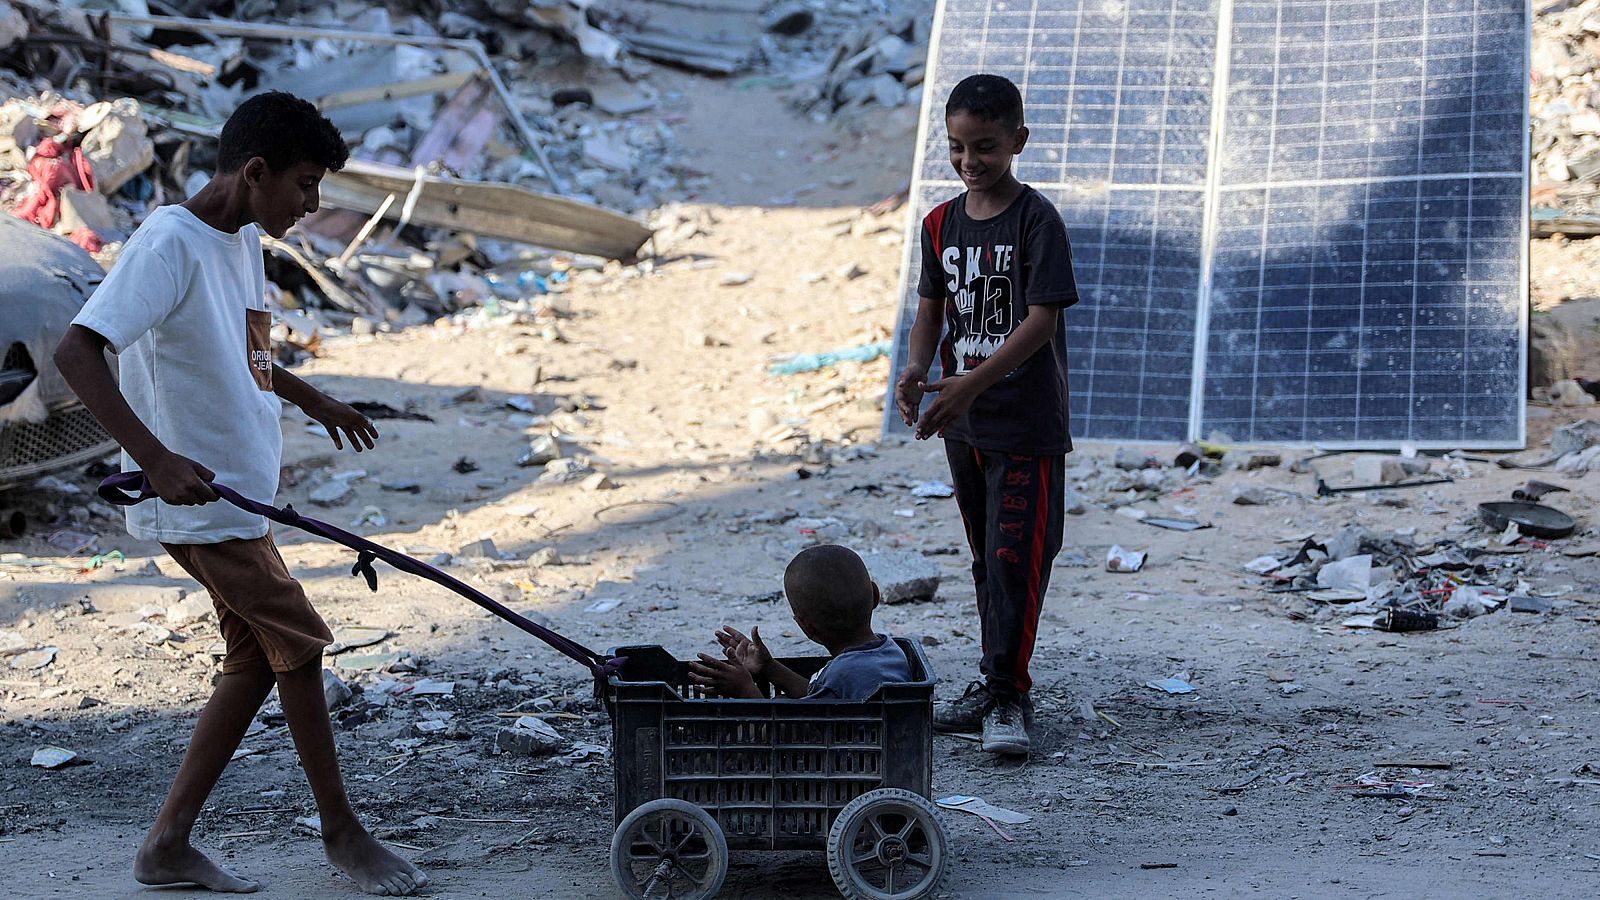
x=13 y=524
x=468 y=46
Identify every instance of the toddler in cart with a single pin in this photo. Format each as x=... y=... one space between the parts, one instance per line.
x=832 y=597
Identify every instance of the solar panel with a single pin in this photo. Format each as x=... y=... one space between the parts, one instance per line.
x=1295 y=221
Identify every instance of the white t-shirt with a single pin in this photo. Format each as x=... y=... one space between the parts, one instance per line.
x=195 y=371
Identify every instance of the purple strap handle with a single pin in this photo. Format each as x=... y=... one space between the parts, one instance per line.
x=132 y=488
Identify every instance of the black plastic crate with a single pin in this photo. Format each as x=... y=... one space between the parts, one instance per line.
x=772 y=773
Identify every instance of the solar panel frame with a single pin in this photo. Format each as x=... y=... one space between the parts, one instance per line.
x=1157 y=366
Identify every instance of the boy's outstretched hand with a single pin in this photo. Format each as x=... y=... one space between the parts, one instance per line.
x=342 y=418
x=749 y=652
x=723 y=678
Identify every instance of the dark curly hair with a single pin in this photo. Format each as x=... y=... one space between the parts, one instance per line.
x=283 y=130
x=992 y=98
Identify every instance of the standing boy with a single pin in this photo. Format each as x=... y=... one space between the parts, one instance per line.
x=996 y=274
x=184 y=309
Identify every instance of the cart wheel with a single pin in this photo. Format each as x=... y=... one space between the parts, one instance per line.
x=669 y=850
x=888 y=845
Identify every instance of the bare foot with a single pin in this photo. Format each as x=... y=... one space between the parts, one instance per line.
x=159 y=864
x=373 y=866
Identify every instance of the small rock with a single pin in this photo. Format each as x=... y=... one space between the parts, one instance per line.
x=599 y=481
x=193 y=607
x=363 y=325
x=484 y=549
x=529 y=736
x=334 y=690
x=544 y=556
x=34 y=659
x=735 y=279
x=850 y=271
x=1568 y=393
x=1577 y=436
x=562 y=471
x=1372 y=469
x=903 y=576
x=1131 y=459
x=1250 y=495
x=334 y=493
x=52 y=757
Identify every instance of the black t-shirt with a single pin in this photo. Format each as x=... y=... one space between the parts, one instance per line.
x=989 y=272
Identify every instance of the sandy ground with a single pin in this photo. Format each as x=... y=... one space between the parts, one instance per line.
x=1242 y=788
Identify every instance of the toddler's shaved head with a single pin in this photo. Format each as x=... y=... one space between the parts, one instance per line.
x=828 y=586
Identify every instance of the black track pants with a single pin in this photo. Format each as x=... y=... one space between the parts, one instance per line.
x=1012 y=506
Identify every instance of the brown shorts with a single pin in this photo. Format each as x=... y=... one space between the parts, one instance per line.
x=261 y=610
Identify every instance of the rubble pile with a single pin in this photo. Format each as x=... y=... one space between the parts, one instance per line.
x=1565 y=112
x=440 y=147
x=878 y=64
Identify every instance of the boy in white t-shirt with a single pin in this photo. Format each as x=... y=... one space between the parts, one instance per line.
x=184 y=309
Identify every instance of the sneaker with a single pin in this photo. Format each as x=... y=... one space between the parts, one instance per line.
x=1005 y=727
x=965 y=713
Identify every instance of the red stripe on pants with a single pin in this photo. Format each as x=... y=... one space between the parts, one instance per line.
x=1030 y=621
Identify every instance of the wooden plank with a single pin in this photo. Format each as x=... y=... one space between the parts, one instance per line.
x=491 y=209
x=449 y=81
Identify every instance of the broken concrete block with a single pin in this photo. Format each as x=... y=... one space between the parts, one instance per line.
x=562 y=471
x=1378 y=470
x=334 y=690
x=1574 y=437
x=903 y=576
x=194 y=607
x=529 y=736
x=116 y=143
x=88 y=209
x=608 y=153
x=484 y=549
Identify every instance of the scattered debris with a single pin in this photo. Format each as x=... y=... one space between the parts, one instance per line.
x=1173 y=685
x=1534 y=519
x=529 y=736
x=811 y=362
x=353 y=637
x=34 y=659
x=54 y=758
x=1120 y=560
x=983 y=809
